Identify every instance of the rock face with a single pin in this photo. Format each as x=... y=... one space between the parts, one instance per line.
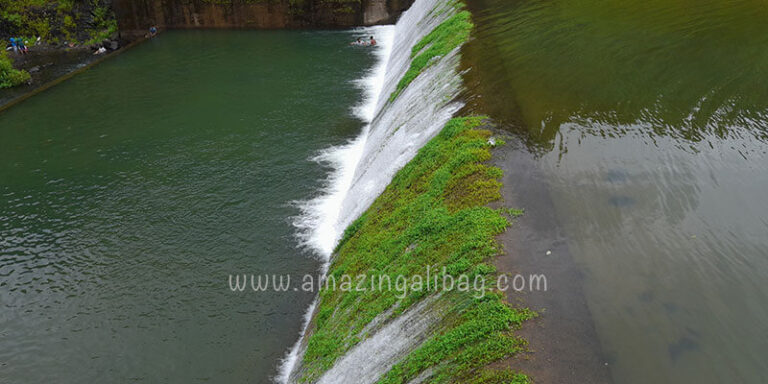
x=136 y=16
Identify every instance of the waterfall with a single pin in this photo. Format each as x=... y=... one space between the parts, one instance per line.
x=362 y=169
x=374 y=356
x=319 y=220
x=400 y=128
x=394 y=131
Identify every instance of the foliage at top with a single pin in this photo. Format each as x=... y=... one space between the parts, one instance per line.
x=87 y=22
x=10 y=77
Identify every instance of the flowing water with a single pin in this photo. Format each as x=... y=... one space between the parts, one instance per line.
x=647 y=121
x=130 y=193
x=396 y=130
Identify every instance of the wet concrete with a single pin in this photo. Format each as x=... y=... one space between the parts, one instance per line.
x=45 y=66
x=50 y=66
x=563 y=343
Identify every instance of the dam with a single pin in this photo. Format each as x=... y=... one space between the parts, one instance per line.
x=615 y=149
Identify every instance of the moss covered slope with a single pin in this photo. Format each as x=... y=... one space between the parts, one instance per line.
x=434 y=214
x=442 y=40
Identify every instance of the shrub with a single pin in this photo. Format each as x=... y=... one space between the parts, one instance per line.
x=9 y=76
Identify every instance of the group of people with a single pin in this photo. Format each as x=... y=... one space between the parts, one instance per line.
x=360 y=41
x=18 y=45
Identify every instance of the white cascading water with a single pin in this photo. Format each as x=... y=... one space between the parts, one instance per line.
x=395 y=131
x=320 y=216
x=390 y=342
x=362 y=169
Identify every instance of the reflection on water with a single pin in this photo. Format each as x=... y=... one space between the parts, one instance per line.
x=674 y=247
x=649 y=120
x=676 y=68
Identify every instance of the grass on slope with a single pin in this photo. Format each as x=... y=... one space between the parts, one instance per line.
x=441 y=41
x=433 y=213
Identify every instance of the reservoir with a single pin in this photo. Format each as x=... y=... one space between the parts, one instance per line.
x=131 y=192
x=646 y=121
x=637 y=146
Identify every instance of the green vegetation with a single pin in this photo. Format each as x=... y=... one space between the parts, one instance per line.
x=89 y=21
x=434 y=214
x=502 y=376
x=514 y=212
x=483 y=335
x=10 y=77
x=441 y=41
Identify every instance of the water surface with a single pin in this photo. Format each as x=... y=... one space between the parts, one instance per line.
x=648 y=120
x=130 y=193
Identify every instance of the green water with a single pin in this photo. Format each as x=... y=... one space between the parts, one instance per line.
x=130 y=193
x=682 y=68
x=647 y=121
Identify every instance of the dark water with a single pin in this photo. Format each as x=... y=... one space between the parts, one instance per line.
x=648 y=120
x=130 y=193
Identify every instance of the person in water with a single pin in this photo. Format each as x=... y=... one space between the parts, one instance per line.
x=364 y=43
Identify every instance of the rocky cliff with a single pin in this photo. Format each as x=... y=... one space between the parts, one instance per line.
x=136 y=16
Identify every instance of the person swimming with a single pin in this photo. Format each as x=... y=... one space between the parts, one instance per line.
x=360 y=42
